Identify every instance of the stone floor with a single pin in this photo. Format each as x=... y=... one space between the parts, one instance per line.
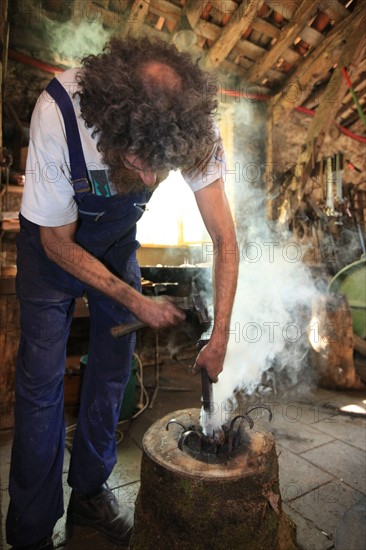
x=321 y=452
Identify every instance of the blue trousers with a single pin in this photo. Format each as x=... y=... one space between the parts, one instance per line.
x=47 y=295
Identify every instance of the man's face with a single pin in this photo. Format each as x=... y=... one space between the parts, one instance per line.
x=135 y=176
x=139 y=171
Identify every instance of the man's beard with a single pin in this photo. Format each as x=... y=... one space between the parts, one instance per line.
x=128 y=181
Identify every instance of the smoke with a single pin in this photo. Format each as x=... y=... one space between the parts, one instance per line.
x=268 y=330
x=268 y=340
x=70 y=42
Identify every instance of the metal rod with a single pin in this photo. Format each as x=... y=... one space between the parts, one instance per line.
x=206 y=391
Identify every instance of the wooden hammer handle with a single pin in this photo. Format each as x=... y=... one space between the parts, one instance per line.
x=122 y=330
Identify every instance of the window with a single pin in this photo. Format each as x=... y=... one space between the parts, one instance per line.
x=172 y=216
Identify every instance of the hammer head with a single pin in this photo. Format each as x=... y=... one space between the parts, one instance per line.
x=197 y=317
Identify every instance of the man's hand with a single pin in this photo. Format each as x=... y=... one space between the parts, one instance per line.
x=210 y=358
x=159 y=313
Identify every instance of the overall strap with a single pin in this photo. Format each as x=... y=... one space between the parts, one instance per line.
x=77 y=161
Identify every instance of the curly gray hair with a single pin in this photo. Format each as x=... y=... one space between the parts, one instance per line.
x=143 y=96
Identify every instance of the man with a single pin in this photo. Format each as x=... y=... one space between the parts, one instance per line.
x=102 y=138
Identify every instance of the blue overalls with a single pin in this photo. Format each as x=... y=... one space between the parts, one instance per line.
x=107 y=229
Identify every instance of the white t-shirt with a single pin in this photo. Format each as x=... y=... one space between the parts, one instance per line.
x=48 y=192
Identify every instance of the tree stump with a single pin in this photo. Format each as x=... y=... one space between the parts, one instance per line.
x=197 y=501
x=332 y=339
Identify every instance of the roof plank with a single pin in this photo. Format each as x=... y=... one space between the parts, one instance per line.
x=162 y=8
x=317 y=64
x=288 y=34
x=138 y=13
x=194 y=10
x=240 y=21
x=263 y=26
x=334 y=9
x=325 y=116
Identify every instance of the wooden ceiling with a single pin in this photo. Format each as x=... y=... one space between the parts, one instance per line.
x=286 y=50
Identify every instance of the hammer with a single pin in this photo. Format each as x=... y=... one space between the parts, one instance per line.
x=194 y=306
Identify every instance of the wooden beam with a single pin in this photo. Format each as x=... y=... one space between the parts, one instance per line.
x=226 y=7
x=138 y=13
x=286 y=8
x=243 y=47
x=207 y=30
x=311 y=36
x=291 y=56
x=240 y=21
x=249 y=49
x=194 y=10
x=316 y=65
x=353 y=50
x=263 y=26
x=353 y=117
x=305 y=10
x=109 y=18
x=162 y=8
x=4 y=33
x=334 y=9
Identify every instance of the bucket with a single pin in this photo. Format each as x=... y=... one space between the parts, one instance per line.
x=351 y=281
x=128 y=405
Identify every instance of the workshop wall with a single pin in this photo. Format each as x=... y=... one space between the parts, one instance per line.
x=330 y=241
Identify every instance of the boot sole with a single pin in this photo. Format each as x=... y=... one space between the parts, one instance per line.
x=82 y=521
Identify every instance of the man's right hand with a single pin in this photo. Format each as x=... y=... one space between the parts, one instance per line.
x=158 y=313
x=60 y=246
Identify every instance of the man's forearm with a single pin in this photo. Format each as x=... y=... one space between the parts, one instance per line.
x=215 y=211
x=78 y=262
x=225 y=274
x=60 y=246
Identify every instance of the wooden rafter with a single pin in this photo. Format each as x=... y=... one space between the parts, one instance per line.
x=305 y=10
x=139 y=11
x=162 y=8
x=194 y=10
x=263 y=26
x=231 y=33
x=334 y=9
x=286 y=8
x=353 y=49
x=4 y=26
x=316 y=65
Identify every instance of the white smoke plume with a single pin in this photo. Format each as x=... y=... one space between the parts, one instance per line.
x=69 y=42
x=272 y=308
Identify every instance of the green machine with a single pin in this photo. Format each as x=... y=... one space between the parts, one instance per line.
x=351 y=281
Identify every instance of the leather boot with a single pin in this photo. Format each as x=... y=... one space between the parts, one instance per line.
x=102 y=512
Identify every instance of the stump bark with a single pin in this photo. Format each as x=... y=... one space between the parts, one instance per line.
x=199 y=501
x=332 y=339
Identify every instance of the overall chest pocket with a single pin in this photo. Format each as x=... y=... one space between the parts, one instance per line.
x=95 y=215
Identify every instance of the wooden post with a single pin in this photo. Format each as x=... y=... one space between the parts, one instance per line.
x=9 y=341
x=4 y=33
x=331 y=336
